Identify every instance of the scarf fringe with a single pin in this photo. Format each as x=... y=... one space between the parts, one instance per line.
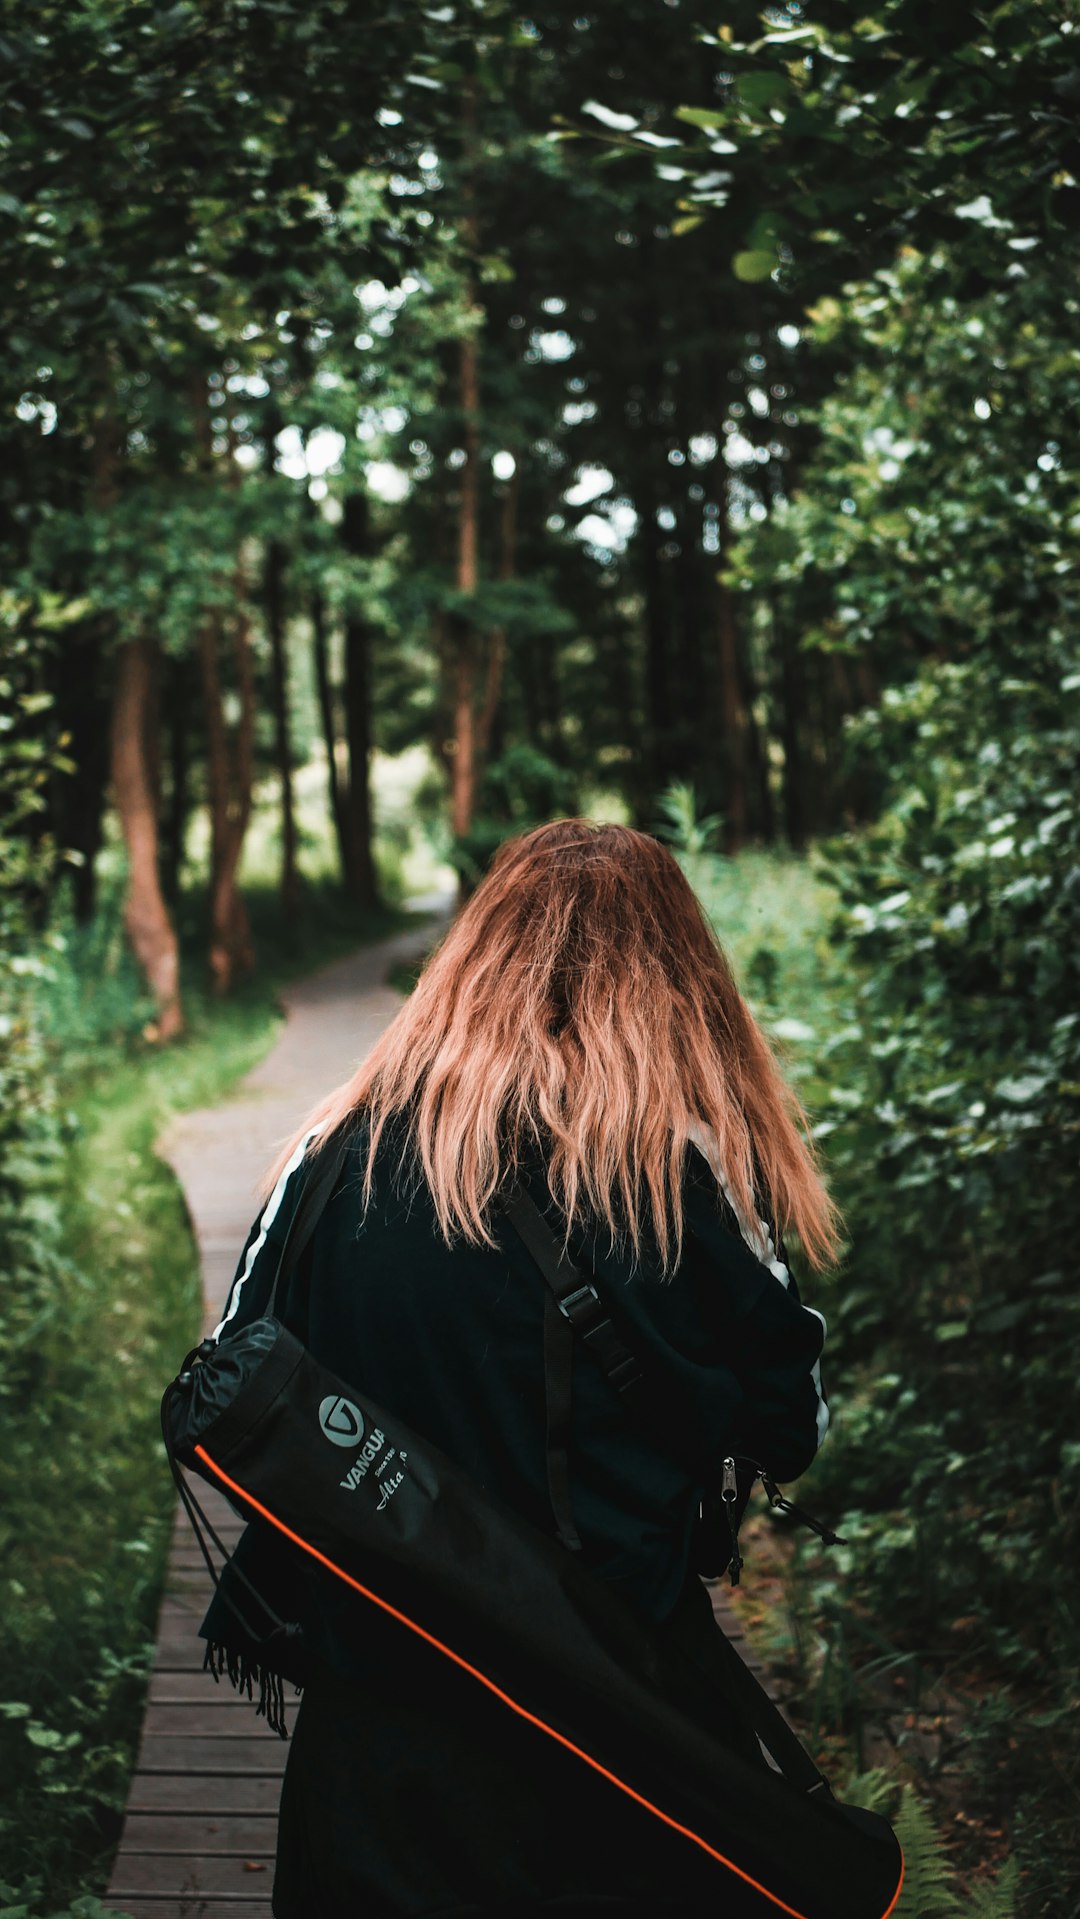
x=244 y=1675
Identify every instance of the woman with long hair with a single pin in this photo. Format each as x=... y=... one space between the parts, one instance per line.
x=578 y=1036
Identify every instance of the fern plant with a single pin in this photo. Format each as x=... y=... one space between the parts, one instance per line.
x=929 y=1890
x=999 y=1900
x=680 y=825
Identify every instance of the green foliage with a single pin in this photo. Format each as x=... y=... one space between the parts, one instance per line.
x=957 y=1109
x=949 y=1083
x=29 y=1901
x=935 y=519
x=958 y=130
x=519 y=790
x=931 y=1888
x=32 y=1125
x=926 y=1891
x=679 y=822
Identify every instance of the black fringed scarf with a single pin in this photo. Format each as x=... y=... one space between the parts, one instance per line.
x=222 y=1662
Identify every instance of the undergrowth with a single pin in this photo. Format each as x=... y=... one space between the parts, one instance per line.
x=885 y=1676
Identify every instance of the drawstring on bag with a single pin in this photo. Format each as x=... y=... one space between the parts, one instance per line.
x=220 y=1661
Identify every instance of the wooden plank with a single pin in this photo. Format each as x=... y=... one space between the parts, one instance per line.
x=209 y=1755
x=173 y=1905
x=217 y=1508
x=179 y=1649
x=243 y=1878
x=190 y=1685
x=182 y=1610
x=182 y=1652
x=227 y=1524
x=225 y=1714
x=193 y=1792
x=187 y=1563
x=252 y=1834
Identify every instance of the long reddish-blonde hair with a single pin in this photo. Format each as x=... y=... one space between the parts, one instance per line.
x=581 y=1002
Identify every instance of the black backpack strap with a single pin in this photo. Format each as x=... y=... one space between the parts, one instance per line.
x=328 y=1163
x=576 y=1298
x=559 y=1399
x=573 y=1309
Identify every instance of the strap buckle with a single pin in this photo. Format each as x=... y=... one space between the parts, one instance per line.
x=571 y=1303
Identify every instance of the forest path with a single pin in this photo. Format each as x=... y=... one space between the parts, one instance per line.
x=199 y=1833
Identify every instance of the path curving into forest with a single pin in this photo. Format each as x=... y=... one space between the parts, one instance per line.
x=200 y=1827
x=199 y=1832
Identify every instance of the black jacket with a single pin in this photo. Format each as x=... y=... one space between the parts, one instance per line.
x=395 y=1775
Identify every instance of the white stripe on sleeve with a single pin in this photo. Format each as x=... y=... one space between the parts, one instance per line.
x=760 y=1241
x=269 y=1214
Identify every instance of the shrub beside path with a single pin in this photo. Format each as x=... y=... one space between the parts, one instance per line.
x=199 y=1834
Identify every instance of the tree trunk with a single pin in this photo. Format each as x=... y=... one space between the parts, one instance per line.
x=731 y=723
x=146 y=915
x=663 y=763
x=275 y=623
x=496 y=661
x=732 y=742
x=357 y=811
x=325 y=690
x=178 y=735
x=661 y=752
x=229 y=779
x=230 y=763
x=791 y=708
x=461 y=623
x=759 y=803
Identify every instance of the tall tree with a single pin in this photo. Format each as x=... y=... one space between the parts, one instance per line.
x=146 y=916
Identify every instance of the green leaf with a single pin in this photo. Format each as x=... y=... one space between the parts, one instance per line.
x=1022 y=1090
x=762 y=90
x=702 y=116
x=753 y=265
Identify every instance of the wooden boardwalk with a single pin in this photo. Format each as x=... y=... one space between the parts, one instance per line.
x=199 y=1835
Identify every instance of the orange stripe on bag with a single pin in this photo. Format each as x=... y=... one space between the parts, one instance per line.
x=522 y=1711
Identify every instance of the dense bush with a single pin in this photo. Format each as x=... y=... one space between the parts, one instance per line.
x=955 y=1151
x=31 y=1127
x=929 y=550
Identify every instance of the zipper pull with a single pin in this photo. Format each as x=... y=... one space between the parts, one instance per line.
x=729 y=1492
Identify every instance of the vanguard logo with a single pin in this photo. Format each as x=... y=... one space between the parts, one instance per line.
x=341 y=1421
